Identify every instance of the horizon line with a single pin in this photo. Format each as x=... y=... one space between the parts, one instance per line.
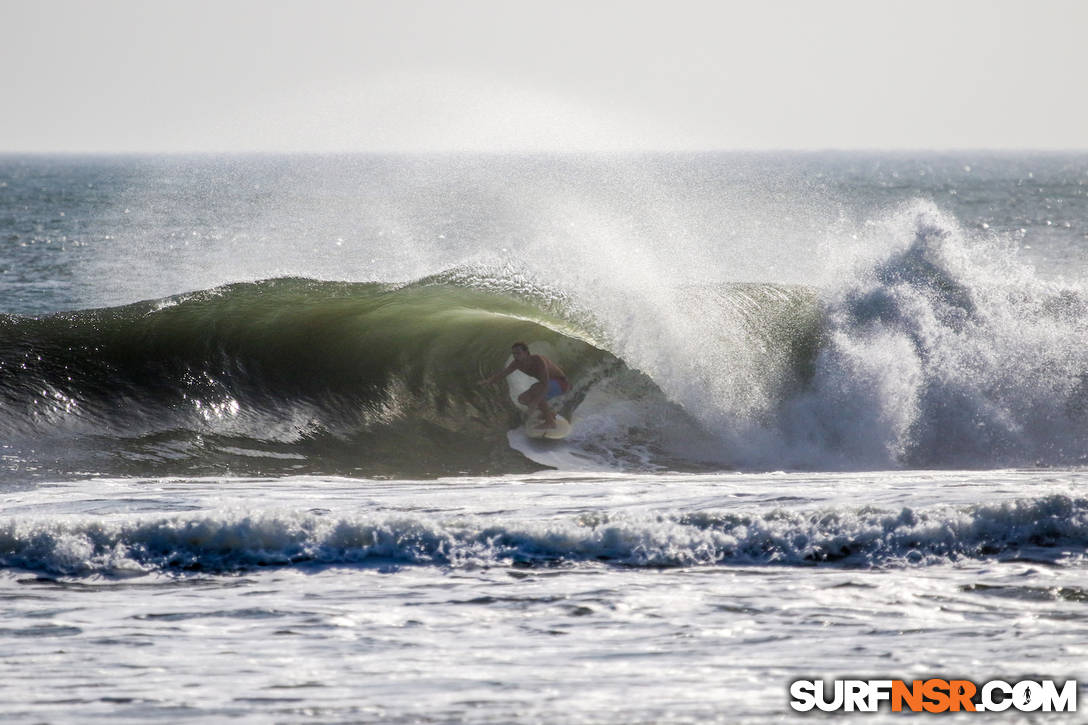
x=546 y=152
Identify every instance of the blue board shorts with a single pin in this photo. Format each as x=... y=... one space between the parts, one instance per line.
x=557 y=386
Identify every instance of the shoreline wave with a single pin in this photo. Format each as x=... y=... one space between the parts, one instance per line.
x=229 y=541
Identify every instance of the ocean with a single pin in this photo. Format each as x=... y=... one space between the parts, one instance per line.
x=830 y=420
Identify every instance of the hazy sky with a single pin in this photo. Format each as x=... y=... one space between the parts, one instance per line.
x=332 y=75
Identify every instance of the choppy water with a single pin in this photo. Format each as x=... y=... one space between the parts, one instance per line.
x=829 y=420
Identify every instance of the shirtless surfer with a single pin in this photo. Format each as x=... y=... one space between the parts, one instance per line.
x=551 y=380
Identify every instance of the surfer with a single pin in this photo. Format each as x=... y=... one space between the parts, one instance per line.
x=551 y=380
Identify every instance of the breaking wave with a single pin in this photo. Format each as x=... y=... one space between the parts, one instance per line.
x=937 y=349
x=1045 y=527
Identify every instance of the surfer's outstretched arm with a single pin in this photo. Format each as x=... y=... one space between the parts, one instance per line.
x=490 y=379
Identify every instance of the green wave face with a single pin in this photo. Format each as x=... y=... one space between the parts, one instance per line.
x=283 y=374
x=303 y=376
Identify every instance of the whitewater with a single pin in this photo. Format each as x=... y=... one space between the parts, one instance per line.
x=830 y=420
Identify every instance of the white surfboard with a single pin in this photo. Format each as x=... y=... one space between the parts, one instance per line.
x=535 y=420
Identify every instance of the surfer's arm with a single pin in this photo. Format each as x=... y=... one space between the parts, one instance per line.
x=499 y=375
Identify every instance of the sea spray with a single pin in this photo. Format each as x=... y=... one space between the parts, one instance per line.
x=946 y=351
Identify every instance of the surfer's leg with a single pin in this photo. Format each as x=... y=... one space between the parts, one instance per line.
x=531 y=397
x=554 y=390
x=549 y=414
x=537 y=397
x=546 y=411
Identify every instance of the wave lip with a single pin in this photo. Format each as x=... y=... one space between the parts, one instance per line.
x=233 y=541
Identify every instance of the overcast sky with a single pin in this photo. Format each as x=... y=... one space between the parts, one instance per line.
x=334 y=75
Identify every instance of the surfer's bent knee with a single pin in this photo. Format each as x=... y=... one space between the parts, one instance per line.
x=531 y=395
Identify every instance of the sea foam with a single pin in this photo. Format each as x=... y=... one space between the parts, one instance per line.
x=234 y=540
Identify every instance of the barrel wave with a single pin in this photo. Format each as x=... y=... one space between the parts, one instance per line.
x=304 y=376
x=283 y=374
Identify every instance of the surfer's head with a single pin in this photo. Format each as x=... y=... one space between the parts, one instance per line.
x=518 y=349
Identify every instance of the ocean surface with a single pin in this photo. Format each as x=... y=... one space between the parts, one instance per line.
x=830 y=420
